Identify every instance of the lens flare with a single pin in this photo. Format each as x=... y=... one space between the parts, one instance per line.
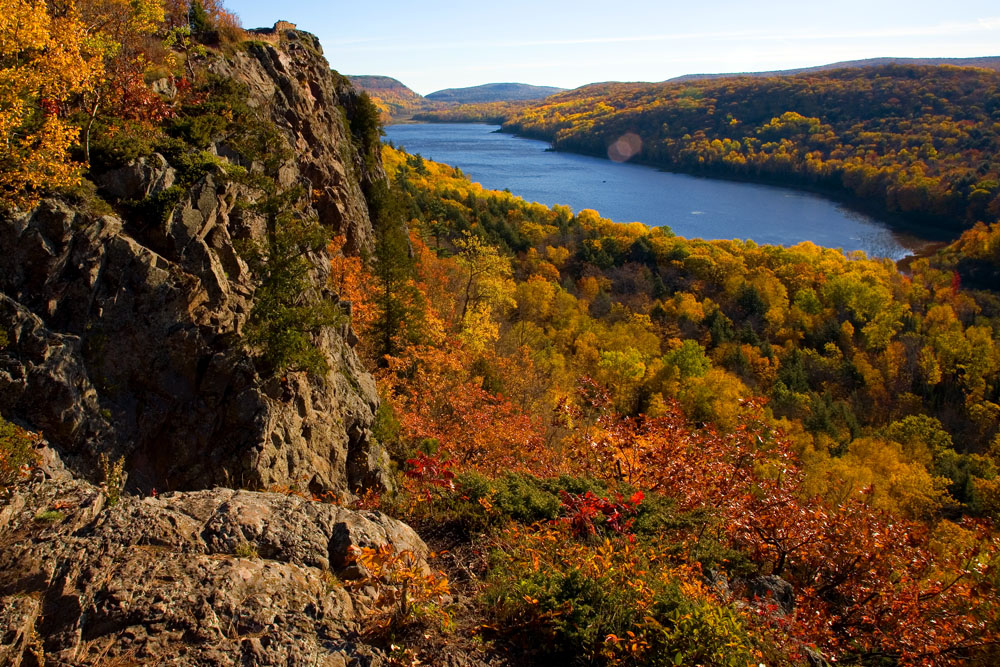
x=627 y=147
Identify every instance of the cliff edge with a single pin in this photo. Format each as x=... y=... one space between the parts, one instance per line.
x=126 y=326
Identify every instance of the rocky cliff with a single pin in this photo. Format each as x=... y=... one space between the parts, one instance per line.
x=125 y=328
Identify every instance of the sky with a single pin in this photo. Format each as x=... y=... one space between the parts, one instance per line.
x=434 y=45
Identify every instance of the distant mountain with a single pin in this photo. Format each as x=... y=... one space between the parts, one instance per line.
x=398 y=103
x=494 y=92
x=986 y=62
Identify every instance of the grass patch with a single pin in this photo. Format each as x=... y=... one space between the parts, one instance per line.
x=246 y=550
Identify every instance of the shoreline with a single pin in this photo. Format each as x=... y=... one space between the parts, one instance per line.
x=927 y=231
x=919 y=239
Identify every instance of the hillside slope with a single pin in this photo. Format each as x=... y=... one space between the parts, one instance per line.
x=399 y=103
x=621 y=446
x=393 y=99
x=385 y=87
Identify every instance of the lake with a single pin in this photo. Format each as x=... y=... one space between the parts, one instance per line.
x=694 y=207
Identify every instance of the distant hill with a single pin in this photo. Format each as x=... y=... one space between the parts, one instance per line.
x=384 y=87
x=494 y=92
x=986 y=62
x=398 y=103
x=392 y=96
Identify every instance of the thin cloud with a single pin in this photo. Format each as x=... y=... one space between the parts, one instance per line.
x=743 y=34
x=989 y=24
x=942 y=30
x=981 y=25
x=356 y=40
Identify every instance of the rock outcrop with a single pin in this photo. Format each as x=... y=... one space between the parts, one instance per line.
x=771 y=589
x=218 y=577
x=293 y=84
x=125 y=331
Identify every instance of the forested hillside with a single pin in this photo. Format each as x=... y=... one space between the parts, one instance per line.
x=488 y=102
x=478 y=112
x=681 y=414
x=921 y=141
x=392 y=97
x=984 y=62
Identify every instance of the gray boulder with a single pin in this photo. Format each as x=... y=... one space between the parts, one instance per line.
x=774 y=589
x=216 y=577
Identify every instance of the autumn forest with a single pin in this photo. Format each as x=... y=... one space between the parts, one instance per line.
x=622 y=447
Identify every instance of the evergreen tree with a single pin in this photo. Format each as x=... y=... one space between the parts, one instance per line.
x=399 y=311
x=198 y=19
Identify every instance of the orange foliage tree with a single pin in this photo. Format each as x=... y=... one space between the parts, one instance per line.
x=869 y=583
x=46 y=58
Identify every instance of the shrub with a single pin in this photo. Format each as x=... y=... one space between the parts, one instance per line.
x=228 y=30
x=216 y=108
x=386 y=428
x=17 y=452
x=115 y=146
x=199 y=130
x=479 y=503
x=522 y=498
x=696 y=630
x=403 y=591
x=158 y=206
x=613 y=603
x=85 y=197
x=114 y=477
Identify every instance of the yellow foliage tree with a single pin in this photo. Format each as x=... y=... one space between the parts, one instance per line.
x=487 y=289
x=714 y=397
x=44 y=59
x=897 y=484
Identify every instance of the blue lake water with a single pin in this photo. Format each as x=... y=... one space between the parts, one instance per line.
x=693 y=207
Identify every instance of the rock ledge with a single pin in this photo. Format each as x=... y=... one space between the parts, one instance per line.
x=159 y=578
